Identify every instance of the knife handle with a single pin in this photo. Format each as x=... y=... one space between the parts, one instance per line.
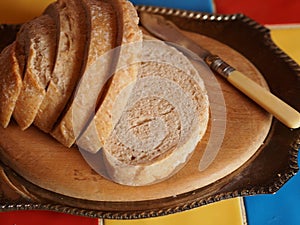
x=272 y=104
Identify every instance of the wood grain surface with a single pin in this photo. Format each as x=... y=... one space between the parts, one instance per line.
x=44 y=162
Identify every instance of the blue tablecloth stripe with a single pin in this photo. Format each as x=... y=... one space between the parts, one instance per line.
x=194 y=5
x=281 y=208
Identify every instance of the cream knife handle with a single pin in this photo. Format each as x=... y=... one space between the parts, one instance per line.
x=272 y=104
x=282 y=111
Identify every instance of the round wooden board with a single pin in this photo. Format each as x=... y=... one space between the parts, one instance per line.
x=42 y=161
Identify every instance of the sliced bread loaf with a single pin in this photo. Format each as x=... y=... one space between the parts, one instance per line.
x=72 y=29
x=127 y=68
x=39 y=36
x=10 y=82
x=102 y=39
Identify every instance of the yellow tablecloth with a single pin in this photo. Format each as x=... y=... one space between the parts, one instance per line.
x=18 y=11
x=226 y=212
x=288 y=39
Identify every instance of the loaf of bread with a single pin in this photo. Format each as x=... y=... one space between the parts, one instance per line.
x=82 y=73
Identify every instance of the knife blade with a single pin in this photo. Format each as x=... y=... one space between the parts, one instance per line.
x=168 y=31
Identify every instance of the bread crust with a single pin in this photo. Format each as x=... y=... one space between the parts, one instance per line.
x=102 y=38
x=70 y=17
x=39 y=36
x=10 y=82
x=102 y=124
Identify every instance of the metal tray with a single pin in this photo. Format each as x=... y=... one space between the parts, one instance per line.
x=272 y=166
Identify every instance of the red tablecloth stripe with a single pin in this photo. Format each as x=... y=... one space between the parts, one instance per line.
x=263 y=11
x=43 y=217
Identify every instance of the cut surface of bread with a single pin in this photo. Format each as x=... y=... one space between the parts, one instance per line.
x=70 y=17
x=126 y=73
x=102 y=39
x=39 y=36
x=10 y=83
x=165 y=118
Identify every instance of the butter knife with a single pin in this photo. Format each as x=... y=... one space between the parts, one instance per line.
x=168 y=31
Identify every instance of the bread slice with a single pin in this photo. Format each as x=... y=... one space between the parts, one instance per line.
x=70 y=18
x=126 y=73
x=164 y=119
x=102 y=39
x=39 y=37
x=10 y=82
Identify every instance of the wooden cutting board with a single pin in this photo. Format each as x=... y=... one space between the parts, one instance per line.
x=41 y=160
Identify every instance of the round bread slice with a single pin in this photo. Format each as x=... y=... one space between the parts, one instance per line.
x=165 y=117
x=39 y=36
